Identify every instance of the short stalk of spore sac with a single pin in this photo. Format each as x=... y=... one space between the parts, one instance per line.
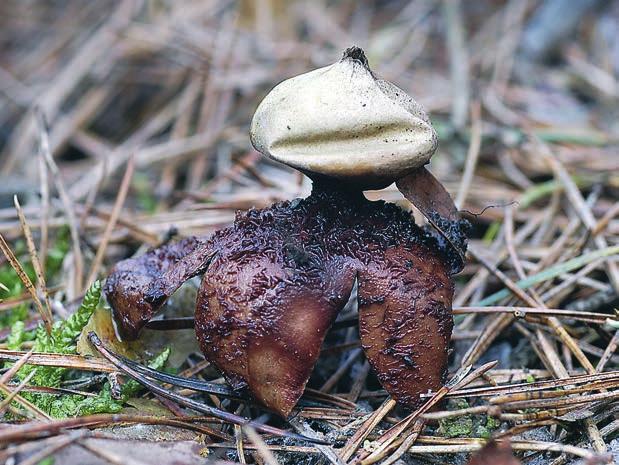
x=274 y=282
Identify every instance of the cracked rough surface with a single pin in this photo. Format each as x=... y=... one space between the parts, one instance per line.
x=405 y=320
x=127 y=285
x=276 y=279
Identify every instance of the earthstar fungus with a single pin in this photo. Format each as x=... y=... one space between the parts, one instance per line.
x=274 y=282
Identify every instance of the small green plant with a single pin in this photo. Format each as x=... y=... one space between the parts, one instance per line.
x=13 y=287
x=62 y=340
x=478 y=426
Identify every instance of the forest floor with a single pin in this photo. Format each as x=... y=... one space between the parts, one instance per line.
x=124 y=124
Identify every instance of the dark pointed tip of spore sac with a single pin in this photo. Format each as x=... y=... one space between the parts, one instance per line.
x=356 y=53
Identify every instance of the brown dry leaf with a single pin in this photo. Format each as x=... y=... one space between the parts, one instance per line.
x=150 y=343
x=101 y=323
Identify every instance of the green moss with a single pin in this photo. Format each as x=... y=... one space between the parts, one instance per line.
x=485 y=426
x=456 y=427
x=461 y=426
x=17 y=337
x=477 y=426
x=61 y=341
x=10 y=280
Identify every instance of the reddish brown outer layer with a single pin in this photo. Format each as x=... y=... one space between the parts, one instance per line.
x=432 y=199
x=268 y=336
x=428 y=194
x=223 y=309
x=405 y=320
x=276 y=280
x=127 y=286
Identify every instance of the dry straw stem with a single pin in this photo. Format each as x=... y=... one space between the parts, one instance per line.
x=522 y=312
x=582 y=209
x=44 y=214
x=32 y=409
x=34 y=430
x=366 y=428
x=611 y=348
x=77 y=362
x=261 y=447
x=516 y=445
x=223 y=415
x=118 y=204
x=9 y=304
x=36 y=263
x=471 y=156
x=12 y=259
x=395 y=436
x=560 y=371
x=536 y=385
x=15 y=391
x=448 y=447
x=238 y=438
x=6 y=377
x=67 y=203
x=66 y=81
x=459 y=62
x=550 y=358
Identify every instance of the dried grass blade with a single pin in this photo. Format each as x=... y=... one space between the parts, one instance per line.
x=516 y=445
x=77 y=362
x=261 y=446
x=35 y=430
x=521 y=312
x=536 y=386
x=471 y=156
x=44 y=215
x=238 y=439
x=12 y=259
x=118 y=204
x=6 y=377
x=551 y=272
x=394 y=437
x=190 y=403
x=36 y=263
x=608 y=352
x=580 y=205
x=16 y=390
x=66 y=201
x=355 y=441
x=36 y=411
